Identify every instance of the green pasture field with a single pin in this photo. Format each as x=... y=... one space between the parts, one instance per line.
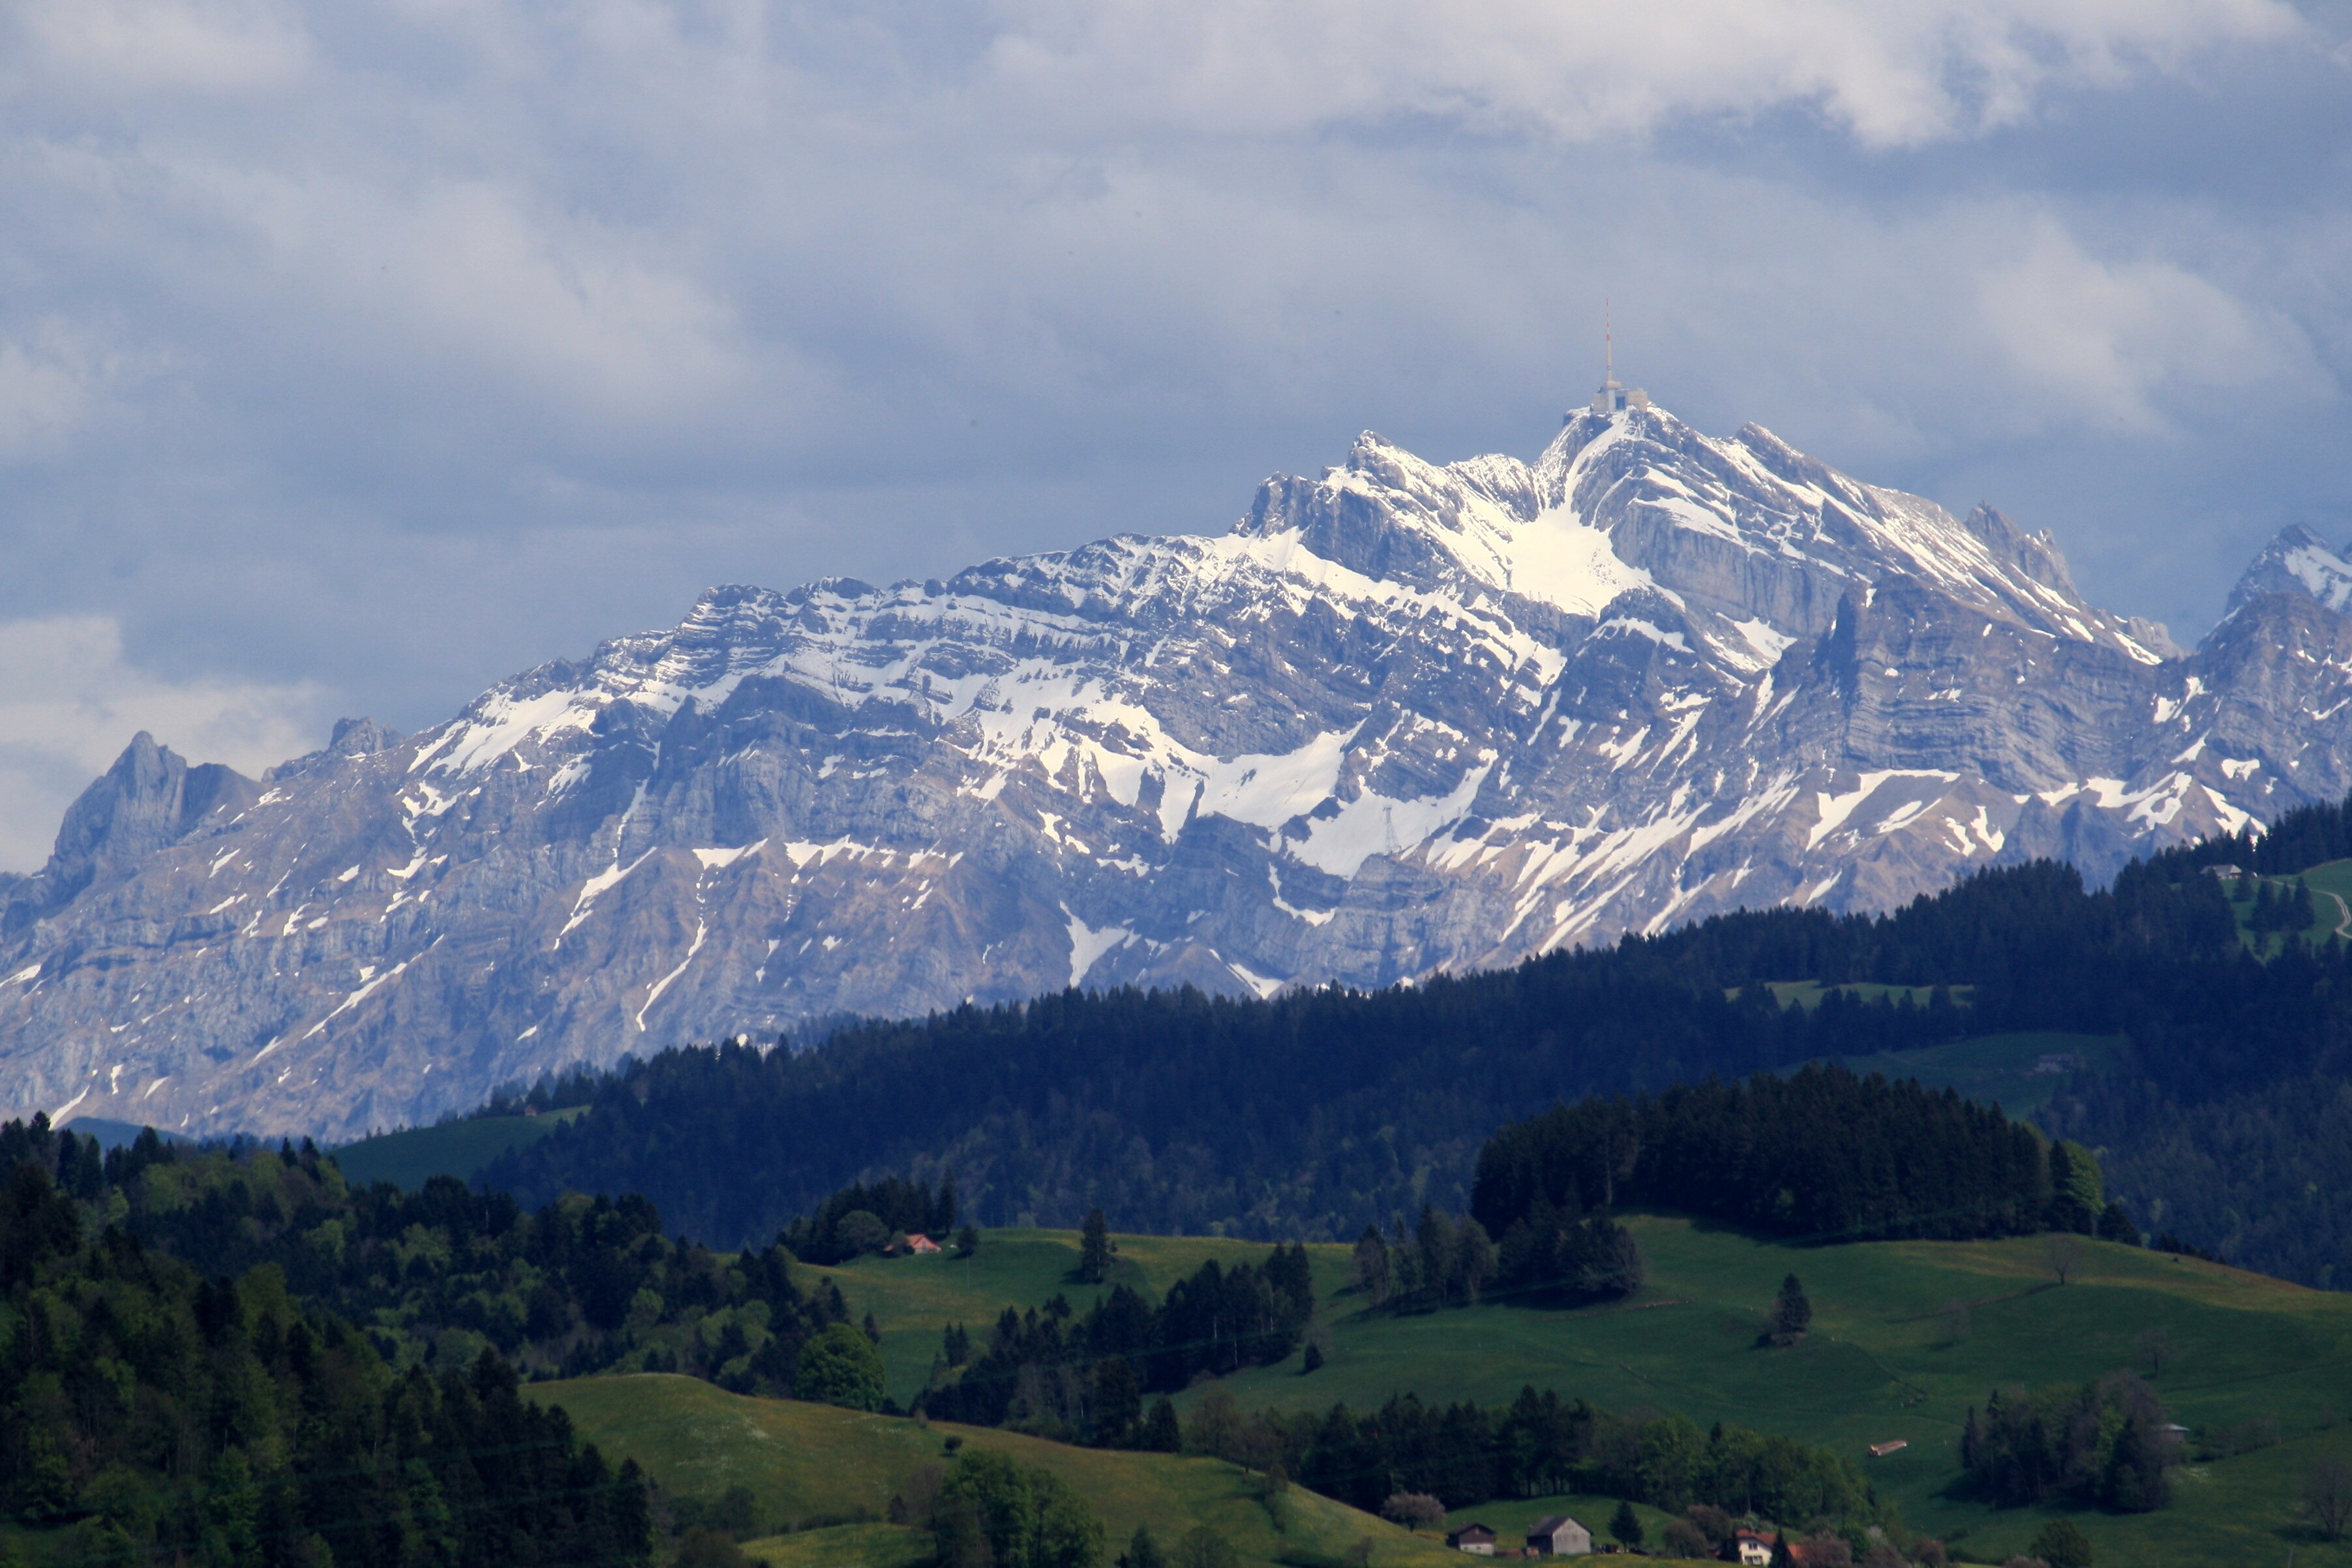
x=846 y=1546
x=2331 y=898
x=815 y=1463
x=1996 y=1069
x=1879 y=1363
x=410 y=1158
x=914 y=1299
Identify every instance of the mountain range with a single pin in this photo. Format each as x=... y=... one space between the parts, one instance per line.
x=1401 y=719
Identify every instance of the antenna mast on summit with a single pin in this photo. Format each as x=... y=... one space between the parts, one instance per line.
x=1612 y=398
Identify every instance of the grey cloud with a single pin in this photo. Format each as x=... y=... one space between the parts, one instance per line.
x=378 y=349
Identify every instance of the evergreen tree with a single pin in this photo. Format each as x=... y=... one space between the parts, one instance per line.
x=1143 y=1550
x=1095 y=1249
x=1626 y=1525
x=1117 y=1404
x=1793 y=1313
x=1161 y=1433
x=1371 y=1266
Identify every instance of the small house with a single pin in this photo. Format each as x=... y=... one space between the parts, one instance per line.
x=1752 y=1547
x=1475 y=1539
x=920 y=1243
x=1557 y=1535
x=1895 y=1445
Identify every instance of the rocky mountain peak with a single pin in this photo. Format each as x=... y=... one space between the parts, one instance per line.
x=149 y=799
x=1403 y=718
x=2298 y=563
x=361 y=737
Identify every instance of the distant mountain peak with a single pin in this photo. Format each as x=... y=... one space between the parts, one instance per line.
x=1403 y=718
x=2297 y=562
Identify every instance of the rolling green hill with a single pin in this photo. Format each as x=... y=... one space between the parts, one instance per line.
x=1996 y=1069
x=410 y=1158
x=1883 y=1361
x=812 y=1465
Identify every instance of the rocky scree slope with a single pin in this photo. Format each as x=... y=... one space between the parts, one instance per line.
x=1401 y=719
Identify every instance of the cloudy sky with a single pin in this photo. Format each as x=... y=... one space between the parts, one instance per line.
x=353 y=354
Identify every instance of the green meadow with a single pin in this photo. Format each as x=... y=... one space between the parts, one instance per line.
x=1888 y=1358
x=1994 y=1069
x=2331 y=899
x=414 y=1155
x=830 y=1473
x=914 y=1299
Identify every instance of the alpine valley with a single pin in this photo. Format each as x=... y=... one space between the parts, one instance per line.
x=1401 y=719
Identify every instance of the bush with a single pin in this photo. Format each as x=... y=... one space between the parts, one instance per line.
x=1414 y=1511
x=860 y=1232
x=1683 y=1539
x=1204 y=1548
x=708 y=1549
x=2063 y=1545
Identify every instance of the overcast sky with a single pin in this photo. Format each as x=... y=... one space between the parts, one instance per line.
x=353 y=354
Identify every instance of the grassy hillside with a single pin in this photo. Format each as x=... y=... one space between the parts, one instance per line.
x=812 y=1465
x=913 y=1299
x=410 y=1158
x=2331 y=899
x=1882 y=1363
x=1996 y=1069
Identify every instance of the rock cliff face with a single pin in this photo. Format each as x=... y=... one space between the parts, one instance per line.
x=1403 y=719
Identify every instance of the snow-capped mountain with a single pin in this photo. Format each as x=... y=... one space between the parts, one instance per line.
x=1401 y=719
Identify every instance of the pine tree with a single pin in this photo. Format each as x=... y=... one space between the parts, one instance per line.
x=1626 y=1525
x=1372 y=1266
x=1161 y=1435
x=1095 y=1250
x=1791 y=1313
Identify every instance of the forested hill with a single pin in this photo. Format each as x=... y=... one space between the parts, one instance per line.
x=1314 y=1112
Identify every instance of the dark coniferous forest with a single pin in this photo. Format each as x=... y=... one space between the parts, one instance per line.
x=436 y=1277
x=214 y=1421
x=1311 y=1114
x=1820 y=1154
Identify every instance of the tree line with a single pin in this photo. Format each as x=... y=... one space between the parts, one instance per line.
x=583 y=1285
x=222 y=1422
x=1053 y=1372
x=2105 y=1443
x=1453 y=1261
x=862 y=1218
x=1277 y=1118
x=1820 y=1153
x=1464 y=1454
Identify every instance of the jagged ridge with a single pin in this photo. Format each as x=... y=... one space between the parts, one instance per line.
x=1401 y=719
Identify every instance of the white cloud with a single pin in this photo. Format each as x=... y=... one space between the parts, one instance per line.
x=1892 y=72
x=401 y=344
x=209 y=46
x=2117 y=344
x=47 y=383
x=70 y=700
